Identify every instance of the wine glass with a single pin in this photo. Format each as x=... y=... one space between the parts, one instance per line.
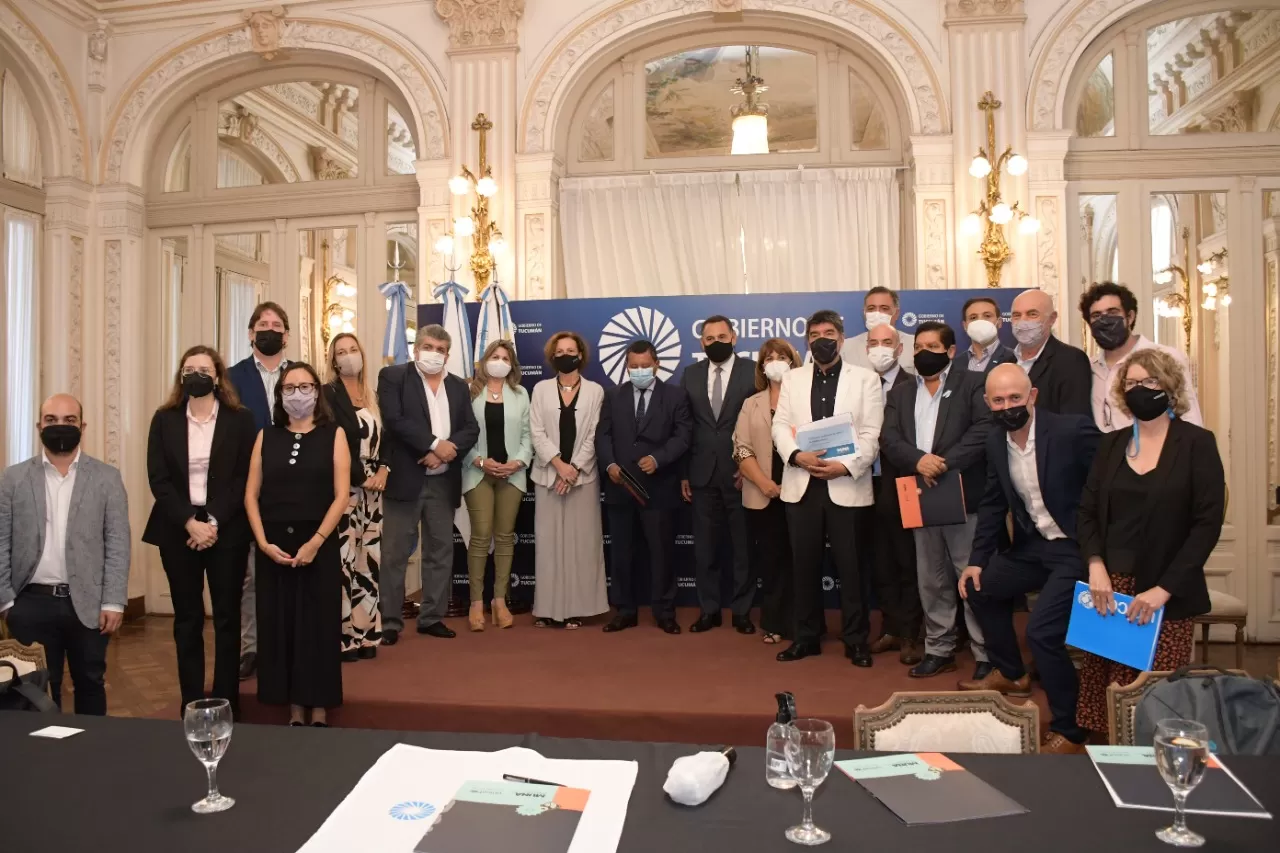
x=1182 y=754
x=811 y=746
x=208 y=726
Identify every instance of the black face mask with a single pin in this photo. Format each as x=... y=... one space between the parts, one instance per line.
x=1110 y=331
x=566 y=363
x=60 y=438
x=1147 y=404
x=197 y=385
x=718 y=351
x=929 y=363
x=1013 y=418
x=268 y=341
x=824 y=350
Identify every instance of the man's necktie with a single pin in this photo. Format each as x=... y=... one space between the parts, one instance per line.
x=717 y=393
x=640 y=408
x=884 y=391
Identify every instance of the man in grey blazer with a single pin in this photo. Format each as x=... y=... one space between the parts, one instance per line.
x=64 y=554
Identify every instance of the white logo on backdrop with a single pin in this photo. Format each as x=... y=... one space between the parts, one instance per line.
x=633 y=325
x=909 y=319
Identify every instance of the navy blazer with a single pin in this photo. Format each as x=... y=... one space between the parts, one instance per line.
x=712 y=451
x=664 y=433
x=1002 y=355
x=407 y=435
x=1065 y=447
x=244 y=377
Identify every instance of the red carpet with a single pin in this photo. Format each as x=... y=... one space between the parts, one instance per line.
x=639 y=684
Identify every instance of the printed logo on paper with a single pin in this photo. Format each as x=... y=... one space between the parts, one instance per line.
x=638 y=324
x=412 y=810
x=1085 y=598
x=828 y=583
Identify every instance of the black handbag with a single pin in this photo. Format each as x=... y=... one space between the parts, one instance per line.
x=25 y=693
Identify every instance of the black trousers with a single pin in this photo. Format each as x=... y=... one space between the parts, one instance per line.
x=658 y=527
x=771 y=562
x=893 y=555
x=718 y=512
x=1052 y=567
x=52 y=622
x=813 y=522
x=186 y=569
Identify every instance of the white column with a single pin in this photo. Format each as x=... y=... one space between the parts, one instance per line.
x=936 y=216
x=538 y=197
x=68 y=207
x=433 y=223
x=1047 y=192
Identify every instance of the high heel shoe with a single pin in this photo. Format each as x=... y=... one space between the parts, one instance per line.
x=476 y=617
x=501 y=615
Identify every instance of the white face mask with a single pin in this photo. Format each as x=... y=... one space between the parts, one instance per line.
x=982 y=331
x=877 y=318
x=350 y=364
x=881 y=358
x=776 y=369
x=430 y=362
x=497 y=368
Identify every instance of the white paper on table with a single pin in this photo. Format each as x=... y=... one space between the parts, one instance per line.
x=403 y=794
x=57 y=732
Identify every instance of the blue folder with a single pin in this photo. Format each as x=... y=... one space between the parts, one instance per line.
x=1112 y=636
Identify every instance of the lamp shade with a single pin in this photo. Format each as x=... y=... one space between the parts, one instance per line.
x=1017 y=165
x=1001 y=213
x=980 y=167
x=750 y=135
x=497 y=245
x=445 y=245
x=486 y=187
x=1028 y=225
x=971 y=225
x=464 y=226
x=458 y=185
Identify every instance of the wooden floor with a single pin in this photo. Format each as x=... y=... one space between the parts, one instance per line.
x=142 y=671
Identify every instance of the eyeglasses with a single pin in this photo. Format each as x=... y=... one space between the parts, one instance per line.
x=203 y=371
x=1150 y=382
x=307 y=388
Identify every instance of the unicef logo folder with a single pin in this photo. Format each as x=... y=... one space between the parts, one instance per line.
x=1112 y=636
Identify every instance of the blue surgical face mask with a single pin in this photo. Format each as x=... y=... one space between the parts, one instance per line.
x=641 y=377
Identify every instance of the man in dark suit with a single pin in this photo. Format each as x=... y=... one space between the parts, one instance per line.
x=645 y=429
x=1037 y=466
x=933 y=426
x=1059 y=372
x=428 y=429
x=717 y=387
x=254 y=380
x=982 y=324
x=891 y=547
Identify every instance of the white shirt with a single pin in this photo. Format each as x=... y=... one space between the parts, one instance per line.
x=52 y=568
x=270 y=378
x=726 y=371
x=438 y=408
x=854 y=352
x=1026 y=482
x=1027 y=363
x=887 y=379
x=927 y=406
x=199 y=448
x=1107 y=415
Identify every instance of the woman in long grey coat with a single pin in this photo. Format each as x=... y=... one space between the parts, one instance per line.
x=563 y=415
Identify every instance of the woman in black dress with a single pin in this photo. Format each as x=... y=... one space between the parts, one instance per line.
x=299 y=487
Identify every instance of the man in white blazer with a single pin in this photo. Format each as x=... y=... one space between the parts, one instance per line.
x=821 y=493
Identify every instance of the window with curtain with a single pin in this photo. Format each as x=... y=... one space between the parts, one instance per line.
x=21 y=237
x=20 y=151
x=240 y=294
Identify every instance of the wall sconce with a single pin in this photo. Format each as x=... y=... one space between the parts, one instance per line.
x=1178 y=303
x=487 y=239
x=337 y=317
x=993 y=213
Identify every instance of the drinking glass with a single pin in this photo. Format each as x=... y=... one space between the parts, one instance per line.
x=811 y=746
x=1182 y=754
x=208 y=726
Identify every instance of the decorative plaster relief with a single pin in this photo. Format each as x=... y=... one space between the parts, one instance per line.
x=481 y=23
x=1052 y=70
x=1047 y=243
x=983 y=8
x=264 y=30
x=935 y=244
x=75 y=296
x=535 y=251
x=111 y=366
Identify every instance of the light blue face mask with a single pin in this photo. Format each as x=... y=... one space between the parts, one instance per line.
x=641 y=377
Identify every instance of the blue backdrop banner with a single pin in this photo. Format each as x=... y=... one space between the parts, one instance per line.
x=674 y=325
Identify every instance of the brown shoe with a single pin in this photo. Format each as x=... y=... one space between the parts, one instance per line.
x=995 y=680
x=912 y=653
x=476 y=617
x=886 y=643
x=501 y=615
x=1056 y=744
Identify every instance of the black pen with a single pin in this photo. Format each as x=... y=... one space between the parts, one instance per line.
x=507 y=777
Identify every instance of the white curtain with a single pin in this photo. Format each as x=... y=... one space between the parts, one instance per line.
x=235 y=171
x=21 y=143
x=241 y=295
x=20 y=240
x=820 y=229
x=670 y=235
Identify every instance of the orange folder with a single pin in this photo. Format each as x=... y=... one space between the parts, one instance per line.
x=931 y=506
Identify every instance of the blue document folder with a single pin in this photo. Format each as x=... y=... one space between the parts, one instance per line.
x=1112 y=636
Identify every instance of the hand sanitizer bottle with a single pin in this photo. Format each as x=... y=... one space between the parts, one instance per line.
x=775 y=745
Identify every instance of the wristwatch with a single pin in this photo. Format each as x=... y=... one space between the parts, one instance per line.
x=213 y=522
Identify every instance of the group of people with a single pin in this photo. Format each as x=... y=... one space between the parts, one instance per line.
x=301 y=498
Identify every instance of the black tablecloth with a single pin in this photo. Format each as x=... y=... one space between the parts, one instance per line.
x=129 y=784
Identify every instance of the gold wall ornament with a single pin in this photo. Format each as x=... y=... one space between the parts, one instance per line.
x=485 y=236
x=1178 y=303
x=993 y=213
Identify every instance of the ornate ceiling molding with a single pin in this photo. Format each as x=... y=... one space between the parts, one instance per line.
x=926 y=104
x=74 y=146
x=971 y=10
x=186 y=61
x=481 y=23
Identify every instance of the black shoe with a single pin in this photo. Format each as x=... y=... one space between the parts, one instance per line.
x=351 y=656
x=859 y=654
x=743 y=625
x=248 y=664
x=368 y=652
x=295 y=724
x=621 y=622
x=796 y=651
x=319 y=725
x=438 y=629
x=390 y=637
x=982 y=670
x=933 y=665
x=706 y=622
x=669 y=625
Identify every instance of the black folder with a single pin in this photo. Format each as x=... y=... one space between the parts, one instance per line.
x=931 y=506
